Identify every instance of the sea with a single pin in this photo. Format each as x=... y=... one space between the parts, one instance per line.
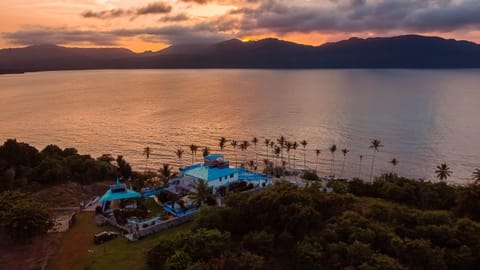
x=422 y=117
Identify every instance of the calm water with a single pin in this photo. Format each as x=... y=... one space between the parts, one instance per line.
x=422 y=117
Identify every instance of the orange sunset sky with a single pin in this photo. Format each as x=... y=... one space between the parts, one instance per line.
x=152 y=25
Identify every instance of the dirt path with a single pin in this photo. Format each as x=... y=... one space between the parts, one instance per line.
x=28 y=256
x=75 y=243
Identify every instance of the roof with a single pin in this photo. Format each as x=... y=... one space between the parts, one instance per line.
x=207 y=173
x=213 y=157
x=119 y=194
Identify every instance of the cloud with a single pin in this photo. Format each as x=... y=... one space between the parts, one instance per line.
x=200 y=33
x=152 y=8
x=40 y=35
x=281 y=16
x=175 y=18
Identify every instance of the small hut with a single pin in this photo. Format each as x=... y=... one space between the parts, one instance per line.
x=117 y=195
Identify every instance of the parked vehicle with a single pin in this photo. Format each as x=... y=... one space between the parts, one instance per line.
x=104 y=236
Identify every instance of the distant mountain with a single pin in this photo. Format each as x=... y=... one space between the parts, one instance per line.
x=410 y=51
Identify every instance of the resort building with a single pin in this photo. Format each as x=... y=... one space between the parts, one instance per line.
x=117 y=194
x=217 y=173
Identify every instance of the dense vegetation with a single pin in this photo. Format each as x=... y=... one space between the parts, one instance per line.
x=464 y=201
x=22 y=165
x=287 y=227
x=21 y=217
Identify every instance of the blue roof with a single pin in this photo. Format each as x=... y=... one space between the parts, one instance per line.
x=213 y=157
x=119 y=194
x=207 y=173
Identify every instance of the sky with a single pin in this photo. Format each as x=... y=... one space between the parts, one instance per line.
x=143 y=25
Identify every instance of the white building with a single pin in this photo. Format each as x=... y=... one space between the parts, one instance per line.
x=215 y=171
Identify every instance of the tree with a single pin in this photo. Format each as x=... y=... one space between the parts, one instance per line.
x=267 y=143
x=234 y=143
x=304 y=144
x=317 y=154
x=107 y=158
x=281 y=142
x=476 y=176
x=375 y=144
x=179 y=153
x=277 y=152
x=443 y=171
x=294 y=147
x=332 y=150
x=344 y=152
x=252 y=165
x=179 y=260
x=203 y=192
x=394 y=163
x=22 y=217
x=165 y=172
x=146 y=152
x=124 y=168
x=194 y=149
x=288 y=147
x=360 y=167
x=206 y=152
x=221 y=143
x=244 y=146
x=255 y=141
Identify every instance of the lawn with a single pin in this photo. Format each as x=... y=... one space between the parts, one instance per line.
x=121 y=254
x=77 y=250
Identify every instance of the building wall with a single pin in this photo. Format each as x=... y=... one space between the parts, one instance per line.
x=216 y=183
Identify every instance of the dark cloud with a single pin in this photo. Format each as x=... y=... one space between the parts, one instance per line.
x=60 y=36
x=152 y=8
x=254 y=17
x=201 y=33
x=221 y=2
x=281 y=16
x=175 y=18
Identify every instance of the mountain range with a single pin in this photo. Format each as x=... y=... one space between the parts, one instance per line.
x=408 y=51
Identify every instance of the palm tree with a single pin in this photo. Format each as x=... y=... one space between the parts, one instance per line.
x=203 y=192
x=146 y=152
x=165 y=172
x=375 y=144
x=344 y=152
x=221 y=143
x=179 y=153
x=288 y=147
x=273 y=149
x=394 y=163
x=317 y=153
x=281 y=142
x=245 y=144
x=277 y=152
x=267 y=143
x=194 y=149
x=304 y=144
x=476 y=176
x=206 y=152
x=360 y=167
x=294 y=147
x=252 y=165
x=443 y=171
x=234 y=143
x=255 y=141
x=242 y=147
x=332 y=150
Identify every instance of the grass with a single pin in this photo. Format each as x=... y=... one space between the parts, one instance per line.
x=121 y=254
x=77 y=250
x=75 y=243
